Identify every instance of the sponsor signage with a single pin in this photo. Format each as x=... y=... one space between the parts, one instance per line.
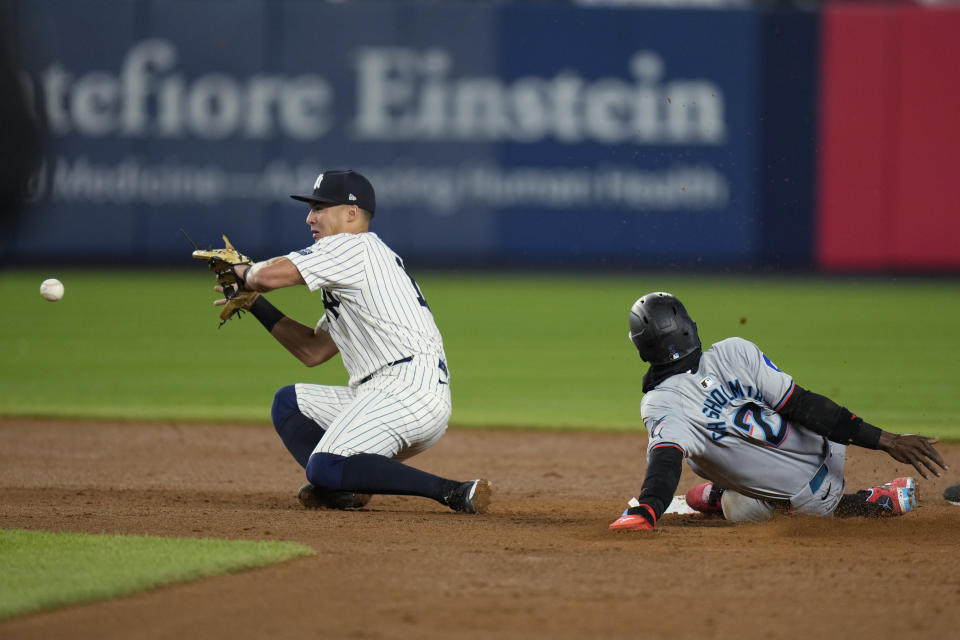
x=492 y=134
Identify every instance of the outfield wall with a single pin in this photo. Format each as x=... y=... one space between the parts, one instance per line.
x=514 y=134
x=890 y=136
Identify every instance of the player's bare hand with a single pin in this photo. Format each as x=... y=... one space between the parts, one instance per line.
x=222 y=301
x=913 y=449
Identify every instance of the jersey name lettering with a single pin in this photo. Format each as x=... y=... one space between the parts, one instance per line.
x=718 y=430
x=723 y=395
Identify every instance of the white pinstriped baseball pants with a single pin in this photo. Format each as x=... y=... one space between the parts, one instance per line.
x=401 y=411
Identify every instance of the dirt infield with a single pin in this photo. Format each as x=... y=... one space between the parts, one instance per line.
x=542 y=564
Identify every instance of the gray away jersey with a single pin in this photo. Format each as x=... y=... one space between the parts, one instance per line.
x=375 y=312
x=724 y=420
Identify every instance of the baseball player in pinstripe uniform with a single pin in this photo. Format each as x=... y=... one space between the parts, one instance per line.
x=351 y=439
x=763 y=442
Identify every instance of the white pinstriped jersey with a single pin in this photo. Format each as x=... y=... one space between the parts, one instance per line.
x=724 y=419
x=375 y=312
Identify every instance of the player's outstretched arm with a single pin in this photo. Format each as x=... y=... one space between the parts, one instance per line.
x=271 y=274
x=824 y=416
x=912 y=449
x=309 y=346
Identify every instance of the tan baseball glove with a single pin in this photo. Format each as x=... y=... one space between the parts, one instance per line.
x=223 y=263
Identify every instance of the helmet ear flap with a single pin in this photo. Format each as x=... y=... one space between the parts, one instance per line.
x=639 y=329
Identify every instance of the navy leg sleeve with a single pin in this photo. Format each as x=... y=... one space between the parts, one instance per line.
x=299 y=433
x=372 y=473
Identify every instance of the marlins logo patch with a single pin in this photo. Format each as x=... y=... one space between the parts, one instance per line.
x=657 y=427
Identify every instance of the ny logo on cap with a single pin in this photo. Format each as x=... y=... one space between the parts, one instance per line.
x=316 y=185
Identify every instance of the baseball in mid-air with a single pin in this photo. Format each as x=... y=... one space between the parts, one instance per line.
x=51 y=289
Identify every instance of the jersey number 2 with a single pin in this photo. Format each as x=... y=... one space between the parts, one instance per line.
x=416 y=287
x=750 y=415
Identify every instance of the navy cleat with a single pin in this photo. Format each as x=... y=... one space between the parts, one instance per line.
x=952 y=494
x=313 y=497
x=470 y=497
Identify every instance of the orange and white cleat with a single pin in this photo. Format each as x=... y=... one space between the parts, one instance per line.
x=896 y=498
x=637 y=517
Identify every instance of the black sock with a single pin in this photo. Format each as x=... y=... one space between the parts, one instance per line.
x=371 y=473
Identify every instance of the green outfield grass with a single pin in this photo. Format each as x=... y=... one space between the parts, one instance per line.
x=524 y=351
x=44 y=570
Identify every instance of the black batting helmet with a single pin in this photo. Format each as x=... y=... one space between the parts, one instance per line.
x=661 y=329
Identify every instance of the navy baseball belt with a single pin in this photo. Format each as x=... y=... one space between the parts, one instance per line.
x=815 y=483
x=442 y=365
x=818 y=478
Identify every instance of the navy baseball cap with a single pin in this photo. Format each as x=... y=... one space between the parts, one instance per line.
x=337 y=186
